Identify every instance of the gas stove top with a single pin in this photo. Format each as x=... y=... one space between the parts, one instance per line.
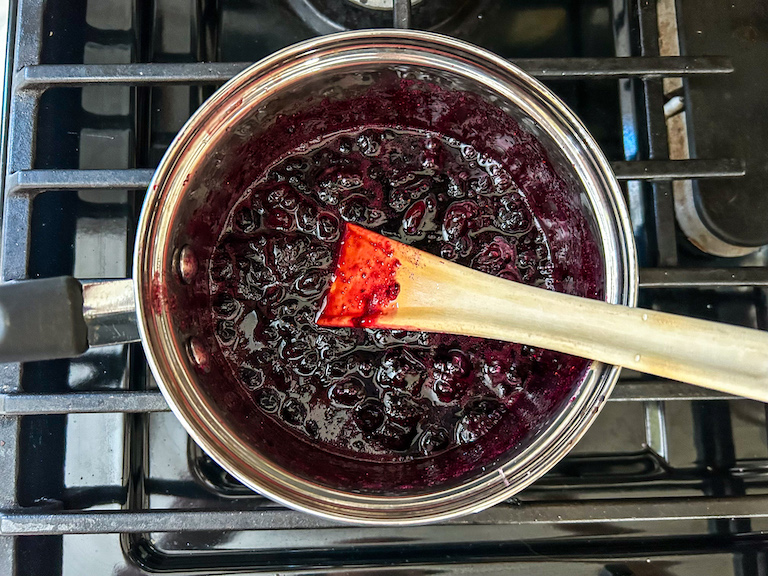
x=98 y=477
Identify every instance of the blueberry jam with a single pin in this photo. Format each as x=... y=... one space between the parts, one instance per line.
x=376 y=409
x=395 y=395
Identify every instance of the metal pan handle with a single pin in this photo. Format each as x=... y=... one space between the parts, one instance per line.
x=62 y=317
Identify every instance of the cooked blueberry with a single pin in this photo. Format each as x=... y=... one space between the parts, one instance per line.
x=354 y=208
x=251 y=377
x=222 y=269
x=498 y=257
x=453 y=363
x=226 y=306
x=225 y=330
x=312 y=283
x=479 y=416
x=254 y=282
x=395 y=437
x=414 y=217
x=293 y=412
x=268 y=400
x=458 y=220
x=348 y=392
x=282 y=197
x=292 y=351
x=306 y=365
x=245 y=220
x=402 y=408
x=306 y=217
x=375 y=172
x=345 y=145
x=368 y=143
x=369 y=415
x=279 y=219
x=513 y=216
x=398 y=369
x=318 y=256
x=327 y=227
x=433 y=439
x=312 y=428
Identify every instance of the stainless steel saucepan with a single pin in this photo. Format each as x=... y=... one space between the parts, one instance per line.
x=62 y=317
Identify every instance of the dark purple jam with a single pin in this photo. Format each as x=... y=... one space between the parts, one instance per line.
x=376 y=409
x=391 y=395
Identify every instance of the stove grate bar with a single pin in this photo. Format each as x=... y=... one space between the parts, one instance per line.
x=272 y=517
x=31 y=182
x=658 y=390
x=82 y=402
x=664 y=170
x=643 y=67
x=751 y=276
x=44 y=76
x=401 y=13
x=18 y=404
x=34 y=181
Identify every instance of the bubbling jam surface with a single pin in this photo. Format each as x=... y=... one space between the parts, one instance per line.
x=379 y=395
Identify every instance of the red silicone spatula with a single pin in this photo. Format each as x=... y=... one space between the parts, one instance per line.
x=381 y=283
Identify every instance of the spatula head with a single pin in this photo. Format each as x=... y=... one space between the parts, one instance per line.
x=365 y=286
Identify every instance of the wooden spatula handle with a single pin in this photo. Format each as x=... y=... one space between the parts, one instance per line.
x=713 y=355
